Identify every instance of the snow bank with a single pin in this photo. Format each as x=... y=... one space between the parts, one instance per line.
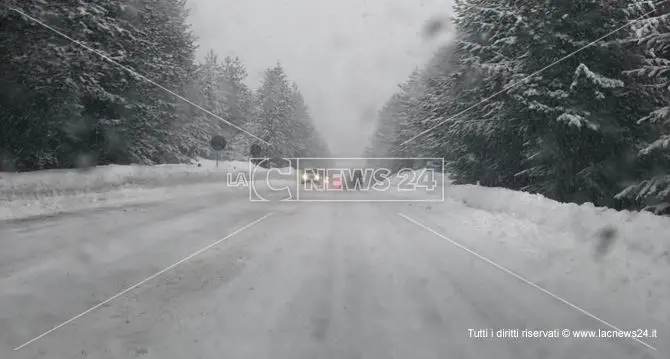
x=22 y=208
x=55 y=191
x=575 y=251
x=643 y=231
x=38 y=184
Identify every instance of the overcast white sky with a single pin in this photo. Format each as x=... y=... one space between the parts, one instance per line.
x=347 y=56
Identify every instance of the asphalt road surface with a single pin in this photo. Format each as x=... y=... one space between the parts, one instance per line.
x=294 y=280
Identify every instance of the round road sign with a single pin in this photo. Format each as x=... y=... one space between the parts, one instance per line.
x=218 y=143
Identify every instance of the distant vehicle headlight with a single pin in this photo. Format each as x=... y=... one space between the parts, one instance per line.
x=304 y=176
x=316 y=177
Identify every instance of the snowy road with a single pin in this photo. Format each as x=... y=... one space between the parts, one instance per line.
x=311 y=280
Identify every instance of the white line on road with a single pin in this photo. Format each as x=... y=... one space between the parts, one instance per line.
x=141 y=282
x=520 y=278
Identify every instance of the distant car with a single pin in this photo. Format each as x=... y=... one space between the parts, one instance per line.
x=335 y=182
x=311 y=175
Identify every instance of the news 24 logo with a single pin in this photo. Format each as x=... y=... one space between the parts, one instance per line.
x=342 y=180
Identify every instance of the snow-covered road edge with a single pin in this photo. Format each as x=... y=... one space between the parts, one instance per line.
x=27 y=208
x=638 y=232
x=39 y=184
x=575 y=251
x=52 y=192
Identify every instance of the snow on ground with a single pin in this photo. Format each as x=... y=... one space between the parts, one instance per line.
x=634 y=233
x=22 y=208
x=626 y=253
x=38 y=184
x=54 y=191
x=572 y=250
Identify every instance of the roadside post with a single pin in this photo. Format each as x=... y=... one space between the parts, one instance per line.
x=218 y=143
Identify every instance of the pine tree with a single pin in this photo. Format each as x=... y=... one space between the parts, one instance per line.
x=61 y=101
x=523 y=99
x=384 y=137
x=583 y=112
x=197 y=126
x=302 y=128
x=396 y=123
x=408 y=112
x=651 y=32
x=274 y=99
x=78 y=104
x=166 y=55
x=442 y=81
x=482 y=134
x=239 y=109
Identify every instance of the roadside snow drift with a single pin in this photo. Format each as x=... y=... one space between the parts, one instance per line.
x=574 y=251
x=54 y=191
x=70 y=182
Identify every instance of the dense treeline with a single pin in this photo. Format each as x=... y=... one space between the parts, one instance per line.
x=520 y=101
x=63 y=105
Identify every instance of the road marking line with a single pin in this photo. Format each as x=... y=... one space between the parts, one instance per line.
x=141 y=282
x=583 y=311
